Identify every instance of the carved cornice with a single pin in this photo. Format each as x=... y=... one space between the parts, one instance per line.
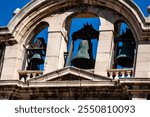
x=6 y=37
x=37 y=10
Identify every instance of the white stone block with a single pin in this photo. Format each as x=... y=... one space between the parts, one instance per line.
x=11 y=51
x=139 y=74
x=103 y=57
x=106 y=25
x=104 y=46
x=143 y=66
x=9 y=69
x=144 y=48
x=101 y=66
x=143 y=57
x=54 y=44
x=51 y=64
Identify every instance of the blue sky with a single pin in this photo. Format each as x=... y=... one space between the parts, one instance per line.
x=8 y=6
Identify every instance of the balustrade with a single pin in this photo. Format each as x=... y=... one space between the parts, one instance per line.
x=25 y=75
x=120 y=73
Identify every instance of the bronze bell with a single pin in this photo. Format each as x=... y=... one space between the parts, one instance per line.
x=83 y=58
x=37 y=59
x=126 y=55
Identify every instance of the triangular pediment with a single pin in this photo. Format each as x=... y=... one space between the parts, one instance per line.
x=69 y=74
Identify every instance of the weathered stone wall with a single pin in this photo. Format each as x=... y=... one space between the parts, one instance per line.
x=80 y=93
x=143 y=61
x=58 y=14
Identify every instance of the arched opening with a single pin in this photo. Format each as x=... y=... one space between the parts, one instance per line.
x=2 y=52
x=36 y=48
x=124 y=46
x=83 y=33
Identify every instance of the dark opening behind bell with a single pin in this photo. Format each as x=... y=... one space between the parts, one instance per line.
x=36 y=51
x=126 y=55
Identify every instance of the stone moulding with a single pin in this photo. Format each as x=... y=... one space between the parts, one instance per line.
x=39 y=9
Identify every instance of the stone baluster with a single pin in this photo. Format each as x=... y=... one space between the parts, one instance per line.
x=111 y=74
x=128 y=74
x=119 y=73
x=34 y=75
x=116 y=75
x=28 y=76
x=22 y=79
x=122 y=74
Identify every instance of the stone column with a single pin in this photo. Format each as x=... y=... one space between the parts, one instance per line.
x=143 y=61
x=11 y=63
x=56 y=46
x=104 y=50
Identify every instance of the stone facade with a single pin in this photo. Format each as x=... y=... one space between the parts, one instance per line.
x=57 y=81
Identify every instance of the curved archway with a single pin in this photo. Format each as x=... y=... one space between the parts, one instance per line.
x=36 y=47
x=75 y=24
x=28 y=18
x=124 y=46
x=36 y=29
x=108 y=11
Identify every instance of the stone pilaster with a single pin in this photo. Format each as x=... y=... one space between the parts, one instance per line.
x=56 y=45
x=143 y=61
x=11 y=63
x=103 y=58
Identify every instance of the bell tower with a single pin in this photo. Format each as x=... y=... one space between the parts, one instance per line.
x=78 y=49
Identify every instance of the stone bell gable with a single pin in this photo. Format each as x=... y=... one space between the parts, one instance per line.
x=32 y=69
